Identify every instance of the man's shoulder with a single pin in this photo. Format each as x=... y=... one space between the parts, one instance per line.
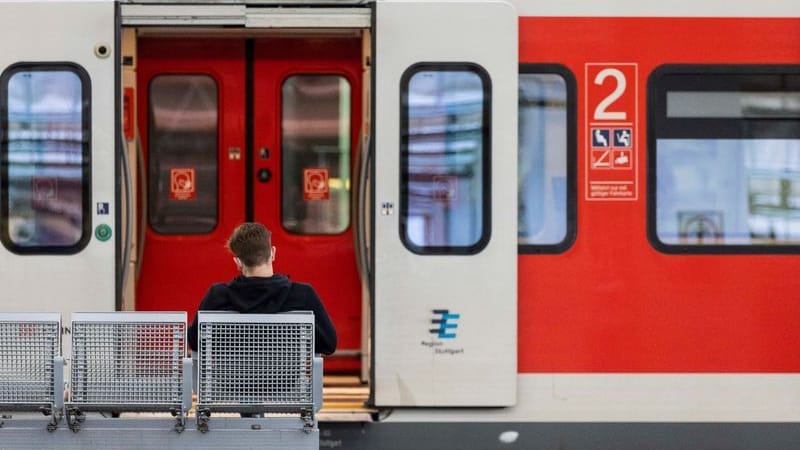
x=300 y=285
x=219 y=287
x=217 y=292
x=298 y=289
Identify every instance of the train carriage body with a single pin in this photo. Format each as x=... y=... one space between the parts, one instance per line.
x=534 y=224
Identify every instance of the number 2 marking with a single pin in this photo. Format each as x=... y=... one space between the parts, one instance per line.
x=600 y=112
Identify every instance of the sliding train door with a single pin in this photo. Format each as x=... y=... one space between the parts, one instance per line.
x=251 y=129
x=307 y=110
x=58 y=143
x=445 y=244
x=191 y=123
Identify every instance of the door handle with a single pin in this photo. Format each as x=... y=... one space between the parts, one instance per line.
x=363 y=166
x=264 y=175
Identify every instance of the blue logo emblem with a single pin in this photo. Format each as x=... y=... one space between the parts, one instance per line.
x=446 y=322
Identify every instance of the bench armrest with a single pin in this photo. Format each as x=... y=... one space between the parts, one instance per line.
x=318 y=378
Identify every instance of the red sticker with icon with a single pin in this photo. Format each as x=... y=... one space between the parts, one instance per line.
x=315 y=184
x=182 y=184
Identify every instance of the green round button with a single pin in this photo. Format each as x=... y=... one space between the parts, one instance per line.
x=102 y=232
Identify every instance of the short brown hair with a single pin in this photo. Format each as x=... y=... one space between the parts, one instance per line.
x=252 y=243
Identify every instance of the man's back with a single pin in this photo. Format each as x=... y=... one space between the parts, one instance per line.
x=266 y=295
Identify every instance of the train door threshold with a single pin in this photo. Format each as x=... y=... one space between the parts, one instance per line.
x=344 y=399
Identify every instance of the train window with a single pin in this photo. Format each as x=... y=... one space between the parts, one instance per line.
x=315 y=154
x=182 y=154
x=547 y=149
x=45 y=157
x=444 y=158
x=724 y=159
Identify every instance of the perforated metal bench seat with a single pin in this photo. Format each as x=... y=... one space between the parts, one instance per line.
x=136 y=362
x=31 y=367
x=129 y=361
x=258 y=363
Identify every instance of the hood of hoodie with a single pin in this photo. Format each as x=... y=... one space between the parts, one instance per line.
x=261 y=295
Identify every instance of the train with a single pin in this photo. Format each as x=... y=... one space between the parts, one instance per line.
x=535 y=224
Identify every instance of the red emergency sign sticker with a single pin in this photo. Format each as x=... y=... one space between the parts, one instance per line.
x=45 y=192
x=445 y=188
x=182 y=184
x=315 y=184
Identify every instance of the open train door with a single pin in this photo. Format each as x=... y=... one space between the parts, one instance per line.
x=445 y=227
x=57 y=156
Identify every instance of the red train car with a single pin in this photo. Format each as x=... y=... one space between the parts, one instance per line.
x=534 y=224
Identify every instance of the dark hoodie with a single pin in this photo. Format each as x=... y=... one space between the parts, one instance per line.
x=266 y=295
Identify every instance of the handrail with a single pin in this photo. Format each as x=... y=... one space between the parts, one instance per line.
x=143 y=199
x=363 y=158
x=126 y=243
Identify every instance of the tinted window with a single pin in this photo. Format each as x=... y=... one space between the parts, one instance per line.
x=45 y=151
x=315 y=140
x=546 y=149
x=727 y=159
x=182 y=154
x=445 y=139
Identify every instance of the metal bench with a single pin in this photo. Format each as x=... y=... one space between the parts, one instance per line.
x=258 y=364
x=31 y=366
x=135 y=362
x=129 y=362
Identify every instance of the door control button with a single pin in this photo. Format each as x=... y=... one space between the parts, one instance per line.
x=102 y=232
x=264 y=175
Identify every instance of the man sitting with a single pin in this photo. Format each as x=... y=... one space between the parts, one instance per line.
x=261 y=291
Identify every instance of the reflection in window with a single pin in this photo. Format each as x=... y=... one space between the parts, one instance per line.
x=183 y=154
x=45 y=155
x=445 y=159
x=315 y=130
x=733 y=104
x=728 y=191
x=542 y=159
x=727 y=157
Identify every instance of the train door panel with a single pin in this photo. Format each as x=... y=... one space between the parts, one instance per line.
x=58 y=143
x=445 y=245
x=191 y=117
x=300 y=103
x=305 y=124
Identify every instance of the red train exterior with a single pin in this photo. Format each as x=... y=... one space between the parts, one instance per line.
x=612 y=302
x=617 y=334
